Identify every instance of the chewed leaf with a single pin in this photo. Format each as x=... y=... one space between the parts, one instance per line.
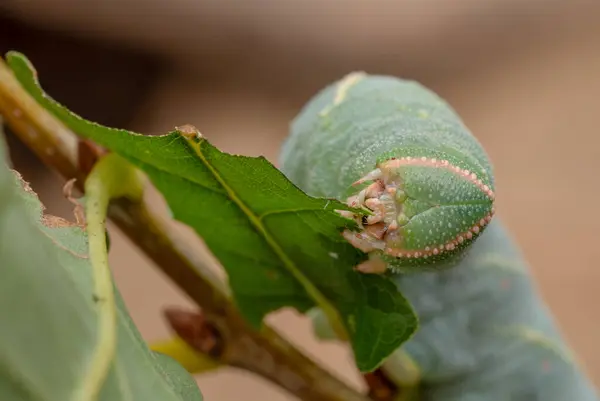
x=279 y=246
x=49 y=326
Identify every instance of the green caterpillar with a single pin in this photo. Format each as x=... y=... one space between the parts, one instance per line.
x=401 y=153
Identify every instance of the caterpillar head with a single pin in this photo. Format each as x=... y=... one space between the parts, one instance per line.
x=425 y=208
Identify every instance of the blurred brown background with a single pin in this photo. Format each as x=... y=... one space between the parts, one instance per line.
x=524 y=75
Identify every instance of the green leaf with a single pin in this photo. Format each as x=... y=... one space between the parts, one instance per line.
x=48 y=313
x=279 y=246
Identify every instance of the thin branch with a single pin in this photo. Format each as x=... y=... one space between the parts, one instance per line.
x=265 y=353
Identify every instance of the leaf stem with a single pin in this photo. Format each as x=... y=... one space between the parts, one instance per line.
x=110 y=178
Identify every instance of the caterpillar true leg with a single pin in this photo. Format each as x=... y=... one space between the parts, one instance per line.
x=372 y=266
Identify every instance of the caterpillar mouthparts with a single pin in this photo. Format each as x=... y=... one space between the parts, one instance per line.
x=407 y=225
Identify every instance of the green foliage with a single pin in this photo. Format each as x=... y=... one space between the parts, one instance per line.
x=49 y=311
x=279 y=246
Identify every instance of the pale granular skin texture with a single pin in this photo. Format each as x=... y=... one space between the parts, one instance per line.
x=332 y=145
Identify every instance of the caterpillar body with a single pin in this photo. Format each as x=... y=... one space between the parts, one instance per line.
x=400 y=152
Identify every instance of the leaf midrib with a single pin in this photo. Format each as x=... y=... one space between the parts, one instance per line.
x=256 y=222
